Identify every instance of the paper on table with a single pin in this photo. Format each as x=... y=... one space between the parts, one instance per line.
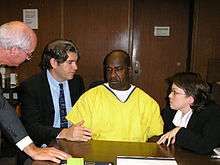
x=75 y=161
x=217 y=151
x=137 y=160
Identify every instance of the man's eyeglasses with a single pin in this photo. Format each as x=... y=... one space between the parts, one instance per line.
x=28 y=55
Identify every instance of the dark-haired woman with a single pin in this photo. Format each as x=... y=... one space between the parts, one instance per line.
x=192 y=121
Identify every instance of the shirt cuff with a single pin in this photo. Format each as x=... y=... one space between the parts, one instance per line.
x=24 y=143
x=58 y=136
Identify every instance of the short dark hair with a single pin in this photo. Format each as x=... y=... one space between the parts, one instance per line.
x=58 y=50
x=193 y=85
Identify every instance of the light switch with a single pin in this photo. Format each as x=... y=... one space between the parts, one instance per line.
x=161 y=31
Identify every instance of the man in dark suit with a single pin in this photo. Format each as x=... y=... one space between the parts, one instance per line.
x=41 y=112
x=17 y=42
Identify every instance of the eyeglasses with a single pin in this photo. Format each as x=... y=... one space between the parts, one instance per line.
x=176 y=93
x=28 y=55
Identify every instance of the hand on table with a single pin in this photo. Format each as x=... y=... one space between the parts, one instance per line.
x=76 y=132
x=169 y=137
x=48 y=153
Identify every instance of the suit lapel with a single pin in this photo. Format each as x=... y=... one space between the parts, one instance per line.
x=193 y=119
x=48 y=96
x=71 y=89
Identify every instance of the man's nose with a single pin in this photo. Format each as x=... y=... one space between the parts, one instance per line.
x=74 y=66
x=113 y=73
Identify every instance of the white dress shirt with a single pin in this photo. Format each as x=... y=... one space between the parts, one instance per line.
x=55 y=92
x=24 y=143
x=181 y=120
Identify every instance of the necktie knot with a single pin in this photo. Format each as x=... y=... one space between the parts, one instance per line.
x=61 y=86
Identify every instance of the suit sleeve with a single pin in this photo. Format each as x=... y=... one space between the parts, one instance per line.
x=168 y=115
x=204 y=139
x=10 y=123
x=77 y=88
x=80 y=85
x=35 y=116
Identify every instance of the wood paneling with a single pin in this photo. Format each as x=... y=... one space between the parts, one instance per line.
x=206 y=35
x=97 y=27
x=213 y=77
x=49 y=16
x=160 y=57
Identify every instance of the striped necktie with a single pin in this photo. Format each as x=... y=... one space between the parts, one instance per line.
x=62 y=105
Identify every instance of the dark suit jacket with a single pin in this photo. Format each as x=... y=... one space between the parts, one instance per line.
x=202 y=134
x=37 y=109
x=9 y=122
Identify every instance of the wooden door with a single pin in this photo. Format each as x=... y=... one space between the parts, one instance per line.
x=159 y=57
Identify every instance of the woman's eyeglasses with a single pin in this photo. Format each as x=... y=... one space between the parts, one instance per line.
x=176 y=93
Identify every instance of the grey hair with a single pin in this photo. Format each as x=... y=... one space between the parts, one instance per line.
x=11 y=36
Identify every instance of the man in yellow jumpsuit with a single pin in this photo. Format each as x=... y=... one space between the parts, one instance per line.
x=118 y=110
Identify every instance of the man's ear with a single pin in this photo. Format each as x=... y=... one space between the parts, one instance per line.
x=130 y=70
x=14 y=51
x=53 y=63
x=130 y=73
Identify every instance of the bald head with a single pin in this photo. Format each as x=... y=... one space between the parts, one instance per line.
x=117 y=69
x=118 y=55
x=17 y=34
x=17 y=42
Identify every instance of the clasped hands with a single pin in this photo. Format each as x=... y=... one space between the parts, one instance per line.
x=169 y=137
x=76 y=132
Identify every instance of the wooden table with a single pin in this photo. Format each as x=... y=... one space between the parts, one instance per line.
x=107 y=151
